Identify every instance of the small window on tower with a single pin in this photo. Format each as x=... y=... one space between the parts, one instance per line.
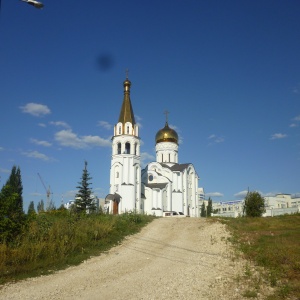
x=119 y=148
x=117 y=175
x=127 y=129
x=119 y=129
x=127 y=148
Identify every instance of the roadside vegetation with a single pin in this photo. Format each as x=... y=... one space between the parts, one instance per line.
x=273 y=244
x=57 y=239
x=41 y=242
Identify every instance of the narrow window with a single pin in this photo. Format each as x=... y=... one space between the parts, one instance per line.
x=169 y=157
x=127 y=148
x=162 y=158
x=117 y=175
x=127 y=129
x=119 y=129
x=119 y=148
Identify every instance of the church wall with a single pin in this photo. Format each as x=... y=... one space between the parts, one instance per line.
x=177 y=204
x=127 y=202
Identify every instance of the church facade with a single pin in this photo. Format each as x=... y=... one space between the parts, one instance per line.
x=163 y=185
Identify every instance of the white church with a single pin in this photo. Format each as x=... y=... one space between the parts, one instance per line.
x=163 y=185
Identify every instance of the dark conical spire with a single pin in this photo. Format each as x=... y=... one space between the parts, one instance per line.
x=126 y=114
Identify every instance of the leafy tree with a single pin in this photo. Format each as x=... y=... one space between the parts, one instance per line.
x=11 y=206
x=84 y=200
x=41 y=206
x=254 y=205
x=209 y=207
x=203 y=210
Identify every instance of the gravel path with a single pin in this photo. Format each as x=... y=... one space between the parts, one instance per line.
x=171 y=258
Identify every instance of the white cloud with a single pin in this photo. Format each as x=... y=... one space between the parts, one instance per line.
x=67 y=138
x=241 y=195
x=277 y=136
x=60 y=123
x=138 y=120
x=214 y=139
x=105 y=125
x=146 y=158
x=35 y=109
x=38 y=155
x=214 y=194
x=40 y=143
x=297 y=118
x=1 y=148
x=4 y=170
x=42 y=125
x=293 y=125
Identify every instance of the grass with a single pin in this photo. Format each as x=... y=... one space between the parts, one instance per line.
x=274 y=244
x=55 y=240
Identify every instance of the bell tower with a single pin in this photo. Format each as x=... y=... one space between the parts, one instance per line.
x=125 y=170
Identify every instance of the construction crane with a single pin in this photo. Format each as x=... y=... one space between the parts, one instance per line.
x=48 y=191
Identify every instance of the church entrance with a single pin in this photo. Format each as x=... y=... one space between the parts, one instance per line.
x=115 y=207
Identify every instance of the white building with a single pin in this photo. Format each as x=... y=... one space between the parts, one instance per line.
x=163 y=185
x=276 y=205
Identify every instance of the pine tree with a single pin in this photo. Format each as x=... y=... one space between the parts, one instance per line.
x=84 y=201
x=203 y=210
x=209 y=207
x=31 y=209
x=41 y=206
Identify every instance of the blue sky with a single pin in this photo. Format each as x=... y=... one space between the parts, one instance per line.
x=227 y=71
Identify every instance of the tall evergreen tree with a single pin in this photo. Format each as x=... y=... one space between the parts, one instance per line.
x=11 y=206
x=15 y=182
x=203 y=210
x=209 y=207
x=40 y=207
x=84 y=201
x=31 y=209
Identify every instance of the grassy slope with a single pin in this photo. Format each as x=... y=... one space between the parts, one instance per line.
x=273 y=243
x=55 y=240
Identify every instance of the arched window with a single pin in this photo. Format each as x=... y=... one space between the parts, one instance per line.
x=162 y=158
x=127 y=129
x=119 y=129
x=119 y=148
x=117 y=175
x=127 y=148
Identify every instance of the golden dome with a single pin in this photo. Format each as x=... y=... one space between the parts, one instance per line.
x=166 y=134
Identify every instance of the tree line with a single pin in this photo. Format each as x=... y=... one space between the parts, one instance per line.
x=12 y=216
x=254 y=206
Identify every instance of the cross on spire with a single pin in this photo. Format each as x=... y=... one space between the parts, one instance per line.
x=166 y=113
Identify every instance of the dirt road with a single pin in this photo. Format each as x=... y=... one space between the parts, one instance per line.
x=171 y=258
